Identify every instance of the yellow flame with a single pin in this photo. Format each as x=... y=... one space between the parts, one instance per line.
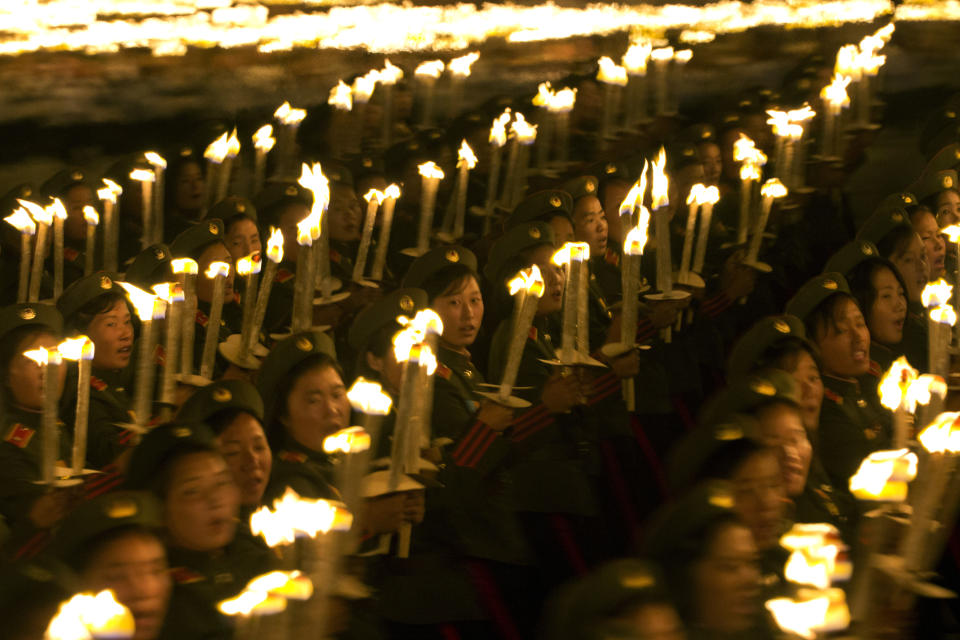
x=233 y=144
x=773 y=188
x=847 y=62
x=287 y=115
x=349 y=440
x=363 y=86
x=807 y=535
x=636 y=58
x=291 y=585
x=696 y=194
x=184 y=265
x=110 y=191
x=217 y=269
x=461 y=66
x=368 y=397
x=392 y=191
x=39 y=355
x=86 y=616
x=802 y=114
x=248 y=603
x=571 y=251
x=544 y=95
x=942 y=435
x=749 y=171
x=79 y=348
x=683 y=56
x=885 y=33
x=524 y=132
x=144 y=303
x=498 y=131
x=374 y=194
x=21 y=221
x=263 y=139
x=636 y=239
x=39 y=214
x=169 y=291
x=466 y=156
x=312 y=178
x=390 y=74
x=711 y=195
x=216 y=151
x=662 y=54
x=835 y=93
x=275 y=246
x=778 y=120
x=952 y=232
x=563 y=100
x=812 y=611
x=883 y=475
x=634 y=197
x=529 y=280
x=56 y=209
x=292 y=515
x=944 y=314
x=430 y=170
x=341 y=96
x=249 y=264
x=936 y=293
x=743 y=148
x=91 y=216
x=409 y=342
x=610 y=72
x=659 y=185
x=155 y=159
x=688 y=36
x=430 y=69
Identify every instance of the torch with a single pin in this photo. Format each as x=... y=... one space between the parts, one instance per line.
x=362 y=91
x=148 y=308
x=389 y=76
x=86 y=615
x=59 y=214
x=835 y=98
x=460 y=70
x=186 y=270
x=159 y=165
x=341 y=99
x=263 y=142
x=498 y=138
x=431 y=175
x=614 y=78
x=274 y=258
x=172 y=294
x=290 y=120
x=43 y=219
x=146 y=178
x=523 y=135
x=427 y=74
x=941 y=317
x=635 y=61
x=92 y=218
x=49 y=362
x=22 y=222
x=453 y=221
x=80 y=350
x=374 y=198
x=218 y=272
x=108 y=196
x=391 y=194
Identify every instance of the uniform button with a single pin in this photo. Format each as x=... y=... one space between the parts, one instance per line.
x=861 y=403
x=467 y=373
x=120 y=389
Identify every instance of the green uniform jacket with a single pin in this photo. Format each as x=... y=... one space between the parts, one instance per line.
x=110 y=406
x=821 y=502
x=280 y=304
x=308 y=472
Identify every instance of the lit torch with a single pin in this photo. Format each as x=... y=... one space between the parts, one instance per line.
x=771 y=190
x=391 y=194
x=936 y=297
x=43 y=220
x=92 y=218
x=614 y=78
x=427 y=74
x=460 y=69
x=186 y=271
x=263 y=142
x=527 y=287
x=498 y=138
x=148 y=308
x=218 y=272
x=159 y=165
x=88 y=616
x=172 y=294
x=59 y=214
x=466 y=161
x=22 y=222
x=80 y=350
x=835 y=98
x=108 y=196
x=49 y=362
x=431 y=175
x=274 y=258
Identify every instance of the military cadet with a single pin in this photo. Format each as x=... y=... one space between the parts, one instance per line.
x=555 y=207
x=72 y=188
x=180 y=464
x=344 y=217
x=97 y=307
x=27 y=506
x=186 y=193
x=852 y=422
x=935 y=191
x=150 y=267
x=240 y=231
x=114 y=542
x=10 y=238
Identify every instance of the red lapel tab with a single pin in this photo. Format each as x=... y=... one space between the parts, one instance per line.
x=533 y=334
x=830 y=395
x=183 y=575
x=97 y=383
x=201 y=318
x=335 y=256
x=20 y=435
x=70 y=254
x=443 y=372
x=612 y=257
x=292 y=456
x=160 y=355
x=283 y=275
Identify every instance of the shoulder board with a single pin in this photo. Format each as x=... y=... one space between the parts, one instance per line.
x=202 y=318
x=283 y=275
x=97 y=383
x=832 y=395
x=335 y=256
x=444 y=371
x=533 y=334
x=183 y=575
x=612 y=257
x=292 y=456
x=19 y=435
x=875 y=369
x=70 y=254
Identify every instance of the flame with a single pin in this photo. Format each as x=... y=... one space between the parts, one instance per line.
x=275 y=246
x=216 y=151
x=390 y=74
x=184 y=265
x=711 y=196
x=883 y=475
x=110 y=191
x=430 y=170
x=636 y=238
x=145 y=303
x=529 y=280
x=144 y=175
x=611 y=73
x=571 y=251
x=79 y=348
x=22 y=221
x=465 y=156
x=289 y=116
x=392 y=191
x=374 y=194
x=86 y=615
x=263 y=139
x=292 y=516
x=430 y=69
x=363 y=86
x=409 y=342
x=291 y=585
x=461 y=66
x=368 y=397
x=91 y=216
x=56 y=209
x=683 y=56
x=902 y=388
x=155 y=159
x=779 y=121
x=312 y=178
x=233 y=144
x=936 y=293
x=942 y=435
x=524 y=132
x=743 y=148
x=750 y=171
x=696 y=193
x=636 y=58
x=773 y=188
x=43 y=356
x=169 y=292
x=802 y=114
x=634 y=197
x=835 y=93
x=217 y=269
x=249 y=264
x=305 y=230
x=563 y=100
x=885 y=33
x=248 y=603
x=847 y=62
x=659 y=185
x=663 y=54
x=944 y=314
x=806 y=535
x=544 y=95
x=349 y=440
x=697 y=37
x=498 y=130
x=341 y=96
x=952 y=232
x=39 y=214
x=811 y=612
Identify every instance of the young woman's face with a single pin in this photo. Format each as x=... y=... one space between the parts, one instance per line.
x=217 y=252
x=782 y=430
x=845 y=342
x=317 y=406
x=189 y=188
x=912 y=265
x=112 y=335
x=202 y=502
x=244 y=447
x=25 y=377
x=948 y=208
x=727 y=581
x=590 y=224
x=344 y=214
x=933 y=244
x=288 y=219
x=712 y=160
x=889 y=309
x=806 y=374
x=242 y=239
x=461 y=313
x=552 y=299
x=759 y=497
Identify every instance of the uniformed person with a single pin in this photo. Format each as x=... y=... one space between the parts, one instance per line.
x=185 y=193
x=11 y=240
x=936 y=191
x=150 y=267
x=73 y=188
x=240 y=231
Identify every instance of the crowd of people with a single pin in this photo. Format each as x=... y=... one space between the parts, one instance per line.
x=643 y=496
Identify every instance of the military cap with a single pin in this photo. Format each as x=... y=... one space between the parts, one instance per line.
x=512 y=243
x=151 y=266
x=27 y=314
x=384 y=312
x=882 y=222
x=612 y=171
x=220 y=396
x=232 y=207
x=192 y=242
x=62 y=180
x=947 y=158
x=279 y=194
x=543 y=205
x=719 y=433
x=940 y=129
x=8 y=202
x=850 y=255
x=287 y=355
x=748 y=393
x=581 y=186
x=157 y=447
x=761 y=337
x=683 y=154
x=338 y=173
x=436 y=259
x=814 y=291
x=95 y=518
x=931 y=184
x=677 y=530
x=700 y=133
x=86 y=289
x=368 y=165
x=901 y=200
x=31 y=587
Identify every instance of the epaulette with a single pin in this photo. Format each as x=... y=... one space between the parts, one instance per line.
x=20 y=435
x=612 y=257
x=444 y=371
x=70 y=254
x=832 y=395
x=283 y=275
x=97 y=383
x=875 y=369
x=533 y=334
x=183 y=575
x=202 y=318
x=292 y=456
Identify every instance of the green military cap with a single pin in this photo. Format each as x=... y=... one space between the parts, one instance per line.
x=762 y=336
x=368 y=165
x=940 y=129
x=677 y=530
x=700 y=133
x=27 y=314
x=931 y=184
x=157 y=447
x=747 y=394
x=436 y=259
x=384 y=312
x=581 y=187
x=721 y=431
x=62 y=180
x=232 y=207
x=851 y=255
x=192 y=242
x=682 y=154
x=8 y=202
x=278 y=194
x=86 y=289
x=220 y=396
x=612 y=171
x=93 y=519
x=151 y=266
x=543 y=205
x=947 y=158
x=512 y=243
x=882 y=222
x=901 y=200
x=814 y=291
x=338 y=173
x=287 y=355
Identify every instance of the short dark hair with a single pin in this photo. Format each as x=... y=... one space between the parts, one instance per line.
x=278 y=397
x=860 y=280
x=784 y=355
x=896 y=242
x=160 y=484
